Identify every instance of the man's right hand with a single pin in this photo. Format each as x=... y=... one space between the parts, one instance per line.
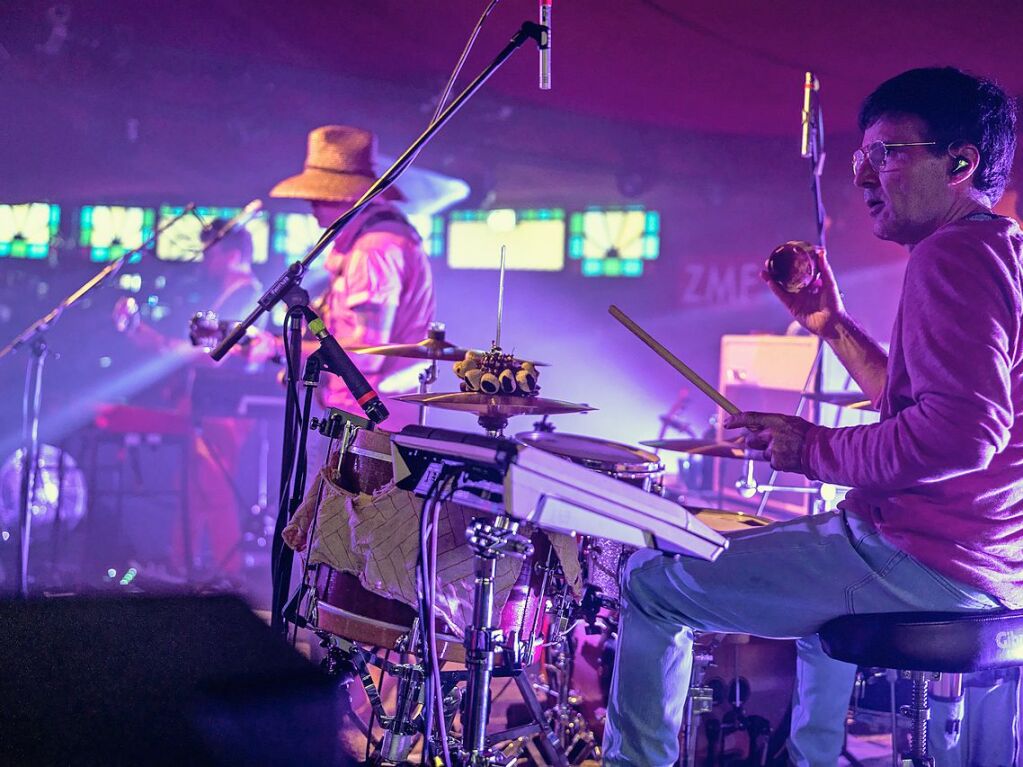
x=817 y=307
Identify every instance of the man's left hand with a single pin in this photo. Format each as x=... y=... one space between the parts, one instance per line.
x=781 y=437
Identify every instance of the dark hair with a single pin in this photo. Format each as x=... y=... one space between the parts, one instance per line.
x=238 y=238
x=956 y=107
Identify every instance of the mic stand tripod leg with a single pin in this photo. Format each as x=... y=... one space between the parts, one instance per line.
x=29 y=459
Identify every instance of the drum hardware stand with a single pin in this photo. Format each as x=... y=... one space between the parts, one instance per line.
x=429 y=375
x=576 y=739
x=748 y=486
x=543 y=425
x=344 y=657
x=493 y=425
x=702 y=698
x=491 y=540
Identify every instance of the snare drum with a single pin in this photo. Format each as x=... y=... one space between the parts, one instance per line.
x=603 y=560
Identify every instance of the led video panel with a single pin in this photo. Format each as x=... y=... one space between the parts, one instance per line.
x=535 y=239
x=107 y=232
x=431 y=229
x=181 y=241
x=614 y=242
x=28 y=230
x=294 y=235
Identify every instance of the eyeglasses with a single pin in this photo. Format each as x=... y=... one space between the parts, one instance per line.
x=876 y=153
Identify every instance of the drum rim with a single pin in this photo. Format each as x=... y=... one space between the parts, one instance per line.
x=756 y=520
x=637 y=470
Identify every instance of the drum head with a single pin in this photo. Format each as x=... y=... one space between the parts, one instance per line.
x=598 y=454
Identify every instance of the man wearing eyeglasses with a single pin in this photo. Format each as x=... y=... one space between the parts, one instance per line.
x=935 y=522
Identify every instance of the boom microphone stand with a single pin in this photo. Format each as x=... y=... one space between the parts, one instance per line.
x=292 y=277
x=812 y=149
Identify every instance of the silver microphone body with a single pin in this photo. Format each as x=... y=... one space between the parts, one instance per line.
x=545 y=46
x=809 y=88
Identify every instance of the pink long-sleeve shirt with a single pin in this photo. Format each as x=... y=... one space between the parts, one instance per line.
x=941 y=475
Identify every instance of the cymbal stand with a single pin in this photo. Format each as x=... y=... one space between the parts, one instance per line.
x=429 y=376
x=700 y=699
x=490 y=540
x=747 y=485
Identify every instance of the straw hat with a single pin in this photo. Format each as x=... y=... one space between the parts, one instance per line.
x=340 y=164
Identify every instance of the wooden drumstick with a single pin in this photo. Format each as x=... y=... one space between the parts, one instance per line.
x=693 y=377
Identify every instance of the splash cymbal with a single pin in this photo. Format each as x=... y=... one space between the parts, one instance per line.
x=495 y=405
x=851 y=400
x=427 y=349
x=709 y=447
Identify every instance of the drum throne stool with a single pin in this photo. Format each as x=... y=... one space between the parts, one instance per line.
x=922 y=646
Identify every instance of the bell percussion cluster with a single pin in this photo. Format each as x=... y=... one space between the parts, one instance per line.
x=495 y=372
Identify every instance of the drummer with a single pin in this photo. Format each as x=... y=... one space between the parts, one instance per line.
x=381 y=288
x=935 y=522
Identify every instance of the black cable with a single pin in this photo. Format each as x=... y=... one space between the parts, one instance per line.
x=298 y=489
x=422 y=594
x=700 y=29
x=442 y=101
x=438 y=692
x=281 y=556
x=278 y=549
x=426 y=605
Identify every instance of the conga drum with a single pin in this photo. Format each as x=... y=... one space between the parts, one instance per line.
x=353 y=598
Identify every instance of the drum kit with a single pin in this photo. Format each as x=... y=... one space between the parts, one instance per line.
x=511 y=592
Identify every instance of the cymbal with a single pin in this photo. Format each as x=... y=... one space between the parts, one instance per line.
x=852 y=400
x=494 y=405
x=427 y=349
x=705 y=447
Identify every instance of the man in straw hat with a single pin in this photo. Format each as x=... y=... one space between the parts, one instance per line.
x=381 y=287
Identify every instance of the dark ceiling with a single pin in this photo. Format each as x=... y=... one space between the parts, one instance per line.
x=717 y=67
x=220 y=74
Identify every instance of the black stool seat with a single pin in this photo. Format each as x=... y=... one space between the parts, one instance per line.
x=949 y=642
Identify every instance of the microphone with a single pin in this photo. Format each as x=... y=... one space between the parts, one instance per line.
x=810 y=87
x=545 y=45
x=338 y=362
x=240 y=218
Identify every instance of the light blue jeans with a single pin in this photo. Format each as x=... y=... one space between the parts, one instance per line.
x=781 y=581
